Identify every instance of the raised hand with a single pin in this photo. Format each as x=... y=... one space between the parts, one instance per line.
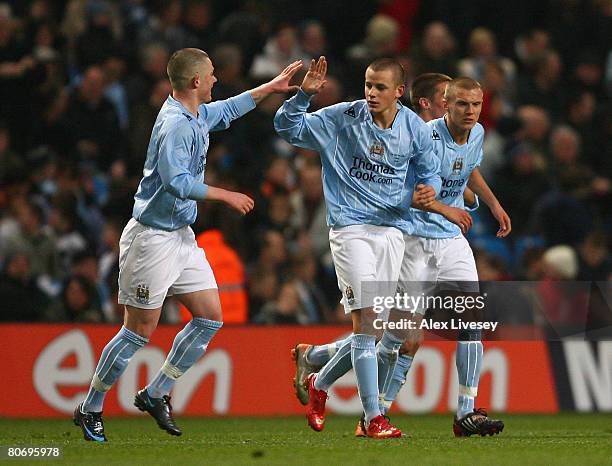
x=280 y=84
x=314 y=80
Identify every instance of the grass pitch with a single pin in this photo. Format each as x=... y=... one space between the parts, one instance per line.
x=574 y=439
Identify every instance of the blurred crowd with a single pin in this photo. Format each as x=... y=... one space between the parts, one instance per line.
x=81 y=82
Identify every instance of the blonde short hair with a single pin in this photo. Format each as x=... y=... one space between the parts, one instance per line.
x=183 y=65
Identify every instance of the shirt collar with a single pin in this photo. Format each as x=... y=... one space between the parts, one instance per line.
x=172 y=101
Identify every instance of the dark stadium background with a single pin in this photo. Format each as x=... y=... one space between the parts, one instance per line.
x=81 y=83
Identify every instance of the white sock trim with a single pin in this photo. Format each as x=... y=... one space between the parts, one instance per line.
x=472 y=392
x=171 y=370
x=98 y=385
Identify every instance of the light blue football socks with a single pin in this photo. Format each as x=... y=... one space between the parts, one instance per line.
x=339 y=364
x=114 y=359
x=320 y=354
x=363 y=356
x=188 y=346
x=469 y=363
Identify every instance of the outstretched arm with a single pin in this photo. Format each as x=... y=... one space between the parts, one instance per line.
x=278 y=85
x=220 y=114
x=478 y=184
x=308 y=130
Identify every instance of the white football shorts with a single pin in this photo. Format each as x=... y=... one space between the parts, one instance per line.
x=155 y=263
x=367 y=259
x=429 y=260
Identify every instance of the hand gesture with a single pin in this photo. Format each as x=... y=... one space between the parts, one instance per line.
x=459 y=217
x=505 y=226
x=240 y=202
x=280 y=84
x=423 y=196
x=314 y=80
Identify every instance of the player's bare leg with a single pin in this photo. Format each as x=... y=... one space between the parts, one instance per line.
x=189 y=345
x=138 y=326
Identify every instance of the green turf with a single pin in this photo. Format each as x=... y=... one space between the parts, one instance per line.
x=548 y=440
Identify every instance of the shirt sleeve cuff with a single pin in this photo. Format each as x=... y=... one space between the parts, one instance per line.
x=198 y=191
x=301 y=100
x=474 y=206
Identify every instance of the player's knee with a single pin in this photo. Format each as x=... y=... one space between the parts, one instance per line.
x=215 y=314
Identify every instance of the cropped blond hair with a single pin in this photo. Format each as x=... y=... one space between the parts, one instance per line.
x=183 y=66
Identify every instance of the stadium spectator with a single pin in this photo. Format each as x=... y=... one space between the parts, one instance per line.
x=21 y=301
x=92 y=122
x=77 y=303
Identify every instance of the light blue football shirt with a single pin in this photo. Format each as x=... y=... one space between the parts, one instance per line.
x=365 y=168
x=173 y=174
x=456 y=165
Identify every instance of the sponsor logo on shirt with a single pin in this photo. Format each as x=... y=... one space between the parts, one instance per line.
x=370 y=171
x=451 y=188
x=434 y=135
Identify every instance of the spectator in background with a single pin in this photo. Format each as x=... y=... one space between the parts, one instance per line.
x=114 y=90
x=91 y=121
x=535 y=125
x=313 y=39
x=153 y=60
x=312 y=298
x=143 y=115
x=263 y=288
x=543 y=86
x=483 y=51
x=228 y=70
x=280 y=50
x=436 y=51
x=165 y=26
x=77 y=304
x=531 y=47
x=21 y=301
x=518 y=183
x=99 y=40
x=35 y=241
x=285 y=309
x=382 y=33
x=594 y=260
x=197 y=22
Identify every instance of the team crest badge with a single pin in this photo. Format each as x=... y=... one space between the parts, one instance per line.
x=350 y=296
x=458 y=166
x=142 y=294
x=434 y=135
x=377 y=151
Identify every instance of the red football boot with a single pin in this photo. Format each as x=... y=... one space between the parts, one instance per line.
x=316 y=404
x=360 y=431
x=379 y=427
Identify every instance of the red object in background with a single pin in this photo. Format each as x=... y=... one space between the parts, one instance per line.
x=248 y=370
x=230 y=276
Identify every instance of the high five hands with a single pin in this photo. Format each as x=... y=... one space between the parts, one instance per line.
x=314 y=80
